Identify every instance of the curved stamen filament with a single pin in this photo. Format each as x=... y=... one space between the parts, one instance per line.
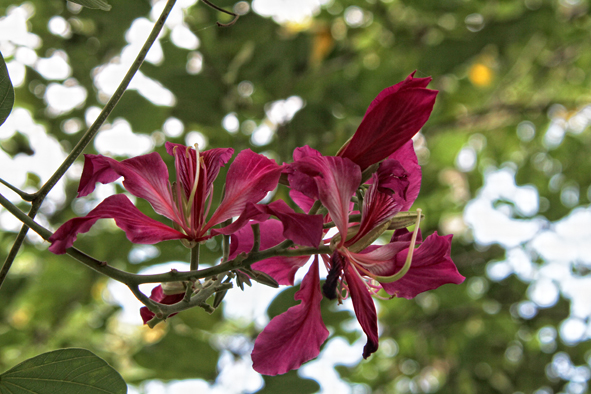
x=408 y=262
x=196 y=180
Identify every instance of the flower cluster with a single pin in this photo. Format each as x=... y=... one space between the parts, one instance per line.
x=366 y=189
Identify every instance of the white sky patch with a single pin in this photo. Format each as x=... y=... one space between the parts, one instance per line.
x=236 y=377
x=336 y=352
x=568 y=239
x=282 y=111
x=283 y=11
x=195 y=137
x=249 y=305
x=17 y=72
x=173 y=127
x=47 y=151
x=55 y=67
x=120 y=140
x=278 y=113
x=59 y=27
x=563 y=246
x=26 y=56
x=573 y=331
x=544 y=292
x=13 y=27
x=108 y=77
x=263 y=135
x=194 y=63
x=182 y=37
x=136 y=36
x=231 y=123
x=63 y=98
x=466 y=159
x=492 y=224
x=17 y=41
x=91 y=114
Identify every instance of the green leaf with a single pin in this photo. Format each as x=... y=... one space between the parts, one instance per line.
x=64 y=371
x=181 y=354
x=95 y=4
x=6 y=92
x=289 y=383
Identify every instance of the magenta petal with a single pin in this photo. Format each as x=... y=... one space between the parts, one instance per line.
x=378 y=208
x=145 y=177
x=431 y=267
x=304 y=151
x=407 y=157
x=335 y=181
x=185 y=163
x=365 y=310
x=296 y=335
x=409 y=82
x=390 y=122
x=301 y=228
x=282 y=269
x=159 y=296
x=303 y=201
x=139 y=228
x=392 y=177
x=380 y=260
x=250 y=177
x=97 y=168
x=242 y=240
x=403 y=235
x=251 y=212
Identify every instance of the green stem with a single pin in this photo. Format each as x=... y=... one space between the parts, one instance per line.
x=317 y=205
x=195 y=258
x=22 y=194
x=256 y=231
x=197 y=300
x=20 y=238
x=172 y=276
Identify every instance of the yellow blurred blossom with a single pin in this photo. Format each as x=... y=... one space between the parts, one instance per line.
x=480 y=75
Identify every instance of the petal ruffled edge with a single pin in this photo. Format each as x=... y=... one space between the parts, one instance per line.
x=390 y=122
x=144 y=176
x=295 y=336
x=431 y=267
x=365 y=309
x=139 y=228
x=250 y=177
x=301 y=228
x=331 y=179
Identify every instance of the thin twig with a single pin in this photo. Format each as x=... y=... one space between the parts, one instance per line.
x=220 y=24
x=21 y=194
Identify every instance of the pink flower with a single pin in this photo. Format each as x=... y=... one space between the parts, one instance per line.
x=356 y=268
x=393 y=118
x=185 y=202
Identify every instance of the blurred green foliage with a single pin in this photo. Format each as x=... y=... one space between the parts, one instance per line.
x=496 y=64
